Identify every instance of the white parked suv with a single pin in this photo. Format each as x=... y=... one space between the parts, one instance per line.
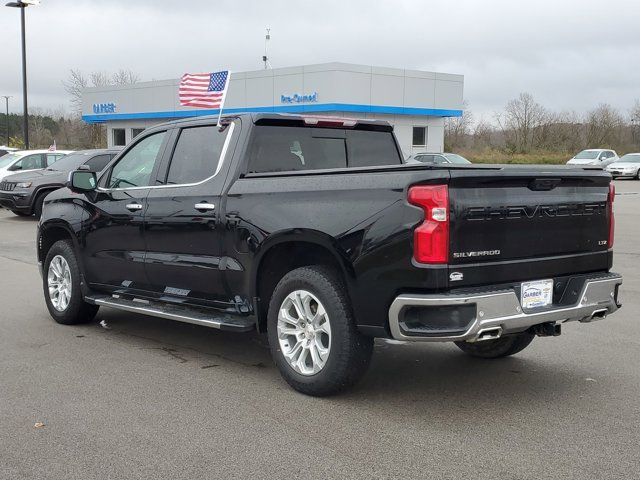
x=594 y=156
x=28 y=160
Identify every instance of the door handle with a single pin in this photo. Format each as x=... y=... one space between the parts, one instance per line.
x=204 y=206
x=133 y=207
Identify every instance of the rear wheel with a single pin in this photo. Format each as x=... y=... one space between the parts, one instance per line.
x=500 y=347
x=312 y=334
x=61 y=285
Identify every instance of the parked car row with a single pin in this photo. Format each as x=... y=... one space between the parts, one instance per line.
x=24 y=190
x=28 y=160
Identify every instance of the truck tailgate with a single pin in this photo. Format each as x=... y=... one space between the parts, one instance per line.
x=521 y=223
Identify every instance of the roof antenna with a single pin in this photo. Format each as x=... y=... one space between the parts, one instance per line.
x=265 y=58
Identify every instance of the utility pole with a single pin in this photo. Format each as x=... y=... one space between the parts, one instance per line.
x=265 y=58
x=22 y=5
x=6 y=101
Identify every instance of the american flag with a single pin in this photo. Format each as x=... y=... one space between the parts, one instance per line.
x=203 y=90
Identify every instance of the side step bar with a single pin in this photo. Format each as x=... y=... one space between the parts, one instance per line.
x=221 y=321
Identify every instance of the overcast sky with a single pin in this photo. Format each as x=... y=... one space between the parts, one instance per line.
x=570 y=54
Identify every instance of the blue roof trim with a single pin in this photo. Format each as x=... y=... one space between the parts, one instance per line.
x=308 y=108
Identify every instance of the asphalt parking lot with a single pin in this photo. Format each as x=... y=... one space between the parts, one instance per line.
x=149 y=398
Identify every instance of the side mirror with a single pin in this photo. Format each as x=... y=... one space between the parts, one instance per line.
x=82 y=181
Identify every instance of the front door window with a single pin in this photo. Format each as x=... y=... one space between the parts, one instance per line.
x=135 y=167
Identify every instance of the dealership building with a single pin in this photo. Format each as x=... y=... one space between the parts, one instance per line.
x=415 y=102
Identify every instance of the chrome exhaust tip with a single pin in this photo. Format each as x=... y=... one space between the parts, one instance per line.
x=491 y=333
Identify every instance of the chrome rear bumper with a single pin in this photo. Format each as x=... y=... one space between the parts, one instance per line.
x=500 y=312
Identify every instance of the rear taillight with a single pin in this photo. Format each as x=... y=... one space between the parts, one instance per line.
x=612 y=220
x=431 y=238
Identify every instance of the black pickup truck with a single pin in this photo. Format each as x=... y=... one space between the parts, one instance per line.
x=314 y=230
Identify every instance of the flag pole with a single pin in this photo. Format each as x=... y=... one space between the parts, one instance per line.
x=224 y=95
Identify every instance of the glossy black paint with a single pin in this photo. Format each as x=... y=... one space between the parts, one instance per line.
x=358 y=217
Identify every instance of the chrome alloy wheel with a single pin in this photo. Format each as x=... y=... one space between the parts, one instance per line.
x=304 y=332
x=59 y=282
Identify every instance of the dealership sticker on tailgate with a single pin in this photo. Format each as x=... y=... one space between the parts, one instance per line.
x=536 y=294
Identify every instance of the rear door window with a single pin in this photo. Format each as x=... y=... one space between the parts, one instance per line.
x=197 y=154
x=368 y=149
x=282 y=149
x=53 y=158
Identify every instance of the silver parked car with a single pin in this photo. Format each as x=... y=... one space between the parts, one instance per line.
x=627 y=166
x=594 y=156
x=437 y=158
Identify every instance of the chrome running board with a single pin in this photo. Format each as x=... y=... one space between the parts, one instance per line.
x=221 y=321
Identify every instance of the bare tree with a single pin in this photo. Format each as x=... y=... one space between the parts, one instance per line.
x=124 y=77
x=561 y=132
x=482 y=134
x=634 y=116
x=520 y=123
x=92 y=135
x=77 y=82
x=458 y=129
x=74 y=85
x=604 y=126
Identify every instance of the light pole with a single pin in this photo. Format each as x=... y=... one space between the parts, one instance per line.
x=22 y=4
x=6 y=101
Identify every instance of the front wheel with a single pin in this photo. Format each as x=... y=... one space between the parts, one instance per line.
x=61 y=285
x=312 y=333
x=500 y=347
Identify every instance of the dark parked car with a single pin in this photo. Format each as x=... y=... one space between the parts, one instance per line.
x=315 y=231
x=23 y=193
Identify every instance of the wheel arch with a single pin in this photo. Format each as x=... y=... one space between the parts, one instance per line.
x=50 y=232
x=289 y=250
x=44 y=191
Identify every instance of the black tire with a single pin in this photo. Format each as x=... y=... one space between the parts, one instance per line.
x=498 y=348
x=37 y=205
x=20 y=214
x=77 y=311
x=350 y=351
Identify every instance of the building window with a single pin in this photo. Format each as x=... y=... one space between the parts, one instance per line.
x=119 y=139
x=135 y=132
x=419 y=136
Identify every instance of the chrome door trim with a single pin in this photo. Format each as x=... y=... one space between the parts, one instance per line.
x=221 y=160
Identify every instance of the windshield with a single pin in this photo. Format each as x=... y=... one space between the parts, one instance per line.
x=8 y=159
x=454 y=158
x=587 y=155
x=70 y=162
x=630 y=157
